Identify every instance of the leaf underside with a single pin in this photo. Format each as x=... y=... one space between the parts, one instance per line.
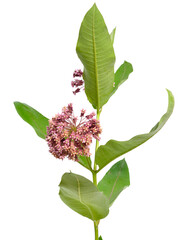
x=81 y=195
x=113 y=149
x=115 y=181
x=95 y=50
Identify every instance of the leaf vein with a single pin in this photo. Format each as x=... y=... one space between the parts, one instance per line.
x=79 y=195
x=115 y=183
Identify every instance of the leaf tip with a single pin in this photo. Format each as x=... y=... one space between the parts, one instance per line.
x=15 y=104
x=114 y=30
x=169 y=92
x=94 y=7
x=171 y=98
x=129 y=65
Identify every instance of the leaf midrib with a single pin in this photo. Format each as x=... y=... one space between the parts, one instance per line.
x=119 y=172
x=80 y=199
x=95 y=57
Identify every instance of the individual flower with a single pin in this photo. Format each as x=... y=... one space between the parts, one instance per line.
x=78 y=82
x=68 y=137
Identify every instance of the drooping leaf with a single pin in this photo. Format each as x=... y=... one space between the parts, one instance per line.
x=95 y=50
x=115 y=181
x=112 y=35
x=32 y=117
x=113 y=149
x=85 y=162
x=81 y=195
x=122 y=75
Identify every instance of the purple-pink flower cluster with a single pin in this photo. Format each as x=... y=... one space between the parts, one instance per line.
x=68 y=137
x=78 y=82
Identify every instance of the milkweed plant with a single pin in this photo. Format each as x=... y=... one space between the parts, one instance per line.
x=69 y=136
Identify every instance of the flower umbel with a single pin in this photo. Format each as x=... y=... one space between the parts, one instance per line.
x=68 y=137
x=77 y=83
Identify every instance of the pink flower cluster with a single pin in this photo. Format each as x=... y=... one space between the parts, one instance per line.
x=77 y=83
x=67 y=138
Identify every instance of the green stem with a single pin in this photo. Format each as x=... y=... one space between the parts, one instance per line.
x=94 y=178
x=94 y=173
x=96 y=229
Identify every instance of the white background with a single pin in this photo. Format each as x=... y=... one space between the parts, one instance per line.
x=37 y=59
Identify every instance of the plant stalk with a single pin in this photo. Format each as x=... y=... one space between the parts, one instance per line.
x=96 y=230
x=94 y=173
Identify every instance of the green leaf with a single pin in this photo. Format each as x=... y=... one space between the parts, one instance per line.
x=115 y=181
x=112 y=35
x=32 y=117
x=95 y=50
x=81 y=195
x=122 y=75
x=113 y=149
x=100 y=238
x=85 y=162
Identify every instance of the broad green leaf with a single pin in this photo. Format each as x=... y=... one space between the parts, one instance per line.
x=115 y=181
x=122 y=75
x=95 y=50
x=85 y=162
x=81 y=195
x=113 y=149
x=32 y=117
x=100 y=238
x=112 y=35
